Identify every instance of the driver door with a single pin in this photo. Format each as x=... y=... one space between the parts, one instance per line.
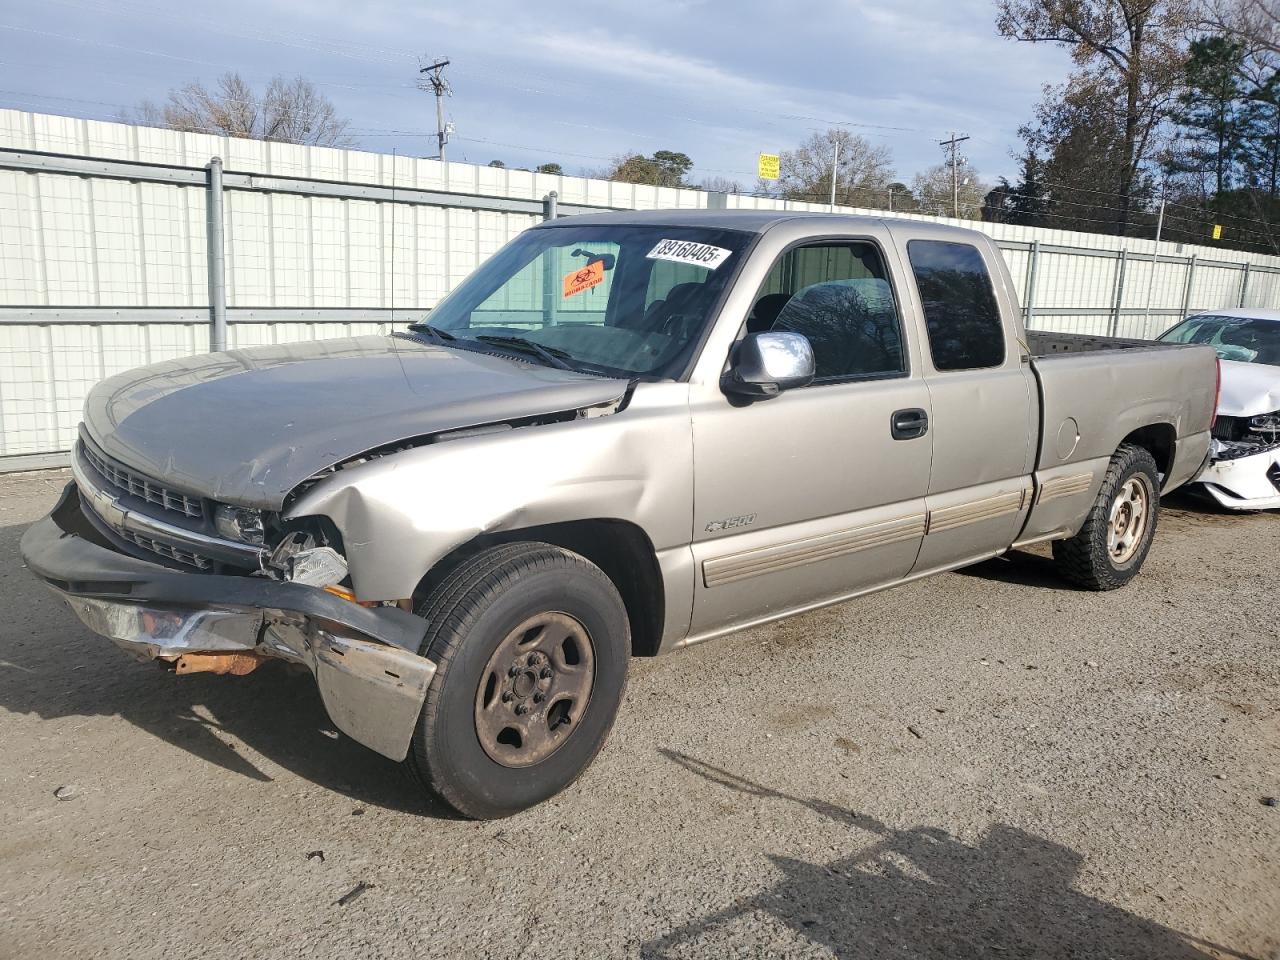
x=814 y=494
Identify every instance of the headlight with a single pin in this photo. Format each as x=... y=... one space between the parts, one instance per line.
x=239 y=523
x=1267 y=423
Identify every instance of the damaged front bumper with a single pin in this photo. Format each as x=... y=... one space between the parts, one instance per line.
x=1242 y=475
x=365 y=660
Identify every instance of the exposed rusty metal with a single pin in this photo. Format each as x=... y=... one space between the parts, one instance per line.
x=535 y=689
x=236 y=664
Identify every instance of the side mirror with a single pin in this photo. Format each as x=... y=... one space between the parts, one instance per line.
x=765 y=364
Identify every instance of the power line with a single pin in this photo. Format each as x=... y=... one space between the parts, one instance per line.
x=376 y=54
x=338 y=48
x=318 y=45
x=1202 y=217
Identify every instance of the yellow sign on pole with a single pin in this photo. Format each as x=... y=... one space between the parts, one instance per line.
x=1217 y=231
x=769 y=166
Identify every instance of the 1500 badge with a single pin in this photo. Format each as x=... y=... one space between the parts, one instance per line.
x=715 y=526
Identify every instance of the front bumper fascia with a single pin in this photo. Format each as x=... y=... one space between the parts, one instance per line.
x=1243 y=482
x=365 y=659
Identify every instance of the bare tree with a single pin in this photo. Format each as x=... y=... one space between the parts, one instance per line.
x=863 y=178
x=719 y=184
x=288 y=111
x=1134 y=46
x=933 y=196
x=1256 y=23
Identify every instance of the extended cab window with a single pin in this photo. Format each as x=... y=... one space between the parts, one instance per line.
x=959 y=302
x=837 y=295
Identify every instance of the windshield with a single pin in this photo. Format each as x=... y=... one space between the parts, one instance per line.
x=622 y=300
x=1246 y=339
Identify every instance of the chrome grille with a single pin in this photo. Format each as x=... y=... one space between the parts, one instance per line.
x=166 y=550
x=128 y=481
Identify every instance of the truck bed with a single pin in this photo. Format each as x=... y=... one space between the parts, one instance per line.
x=1044 y=343
x=1096 y=385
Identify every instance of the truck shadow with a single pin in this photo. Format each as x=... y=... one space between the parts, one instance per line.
x=1179 y=510
x=1018 y=567
x=923 y=893
x=53 y=667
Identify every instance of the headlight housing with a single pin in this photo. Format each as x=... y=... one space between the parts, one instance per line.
x=1266 y=423
x=243 y=524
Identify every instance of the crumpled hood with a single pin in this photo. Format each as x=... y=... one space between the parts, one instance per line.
x=248 y=426
x=1249 y=389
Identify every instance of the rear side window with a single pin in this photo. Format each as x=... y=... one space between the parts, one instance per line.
x=959 y=302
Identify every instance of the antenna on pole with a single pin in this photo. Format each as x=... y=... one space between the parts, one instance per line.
x=436 y=82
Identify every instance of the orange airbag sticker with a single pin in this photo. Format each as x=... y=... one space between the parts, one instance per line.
x=584 y=279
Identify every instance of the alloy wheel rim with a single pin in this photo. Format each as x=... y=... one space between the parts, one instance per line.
x=1129 y=519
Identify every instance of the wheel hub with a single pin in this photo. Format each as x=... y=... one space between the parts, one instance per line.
x=523 y=685
x=1129 y=518
x=534 y=689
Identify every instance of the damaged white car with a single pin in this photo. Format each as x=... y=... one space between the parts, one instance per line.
x=1243 y=472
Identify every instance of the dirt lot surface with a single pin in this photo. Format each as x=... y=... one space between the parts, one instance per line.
x=986 y=764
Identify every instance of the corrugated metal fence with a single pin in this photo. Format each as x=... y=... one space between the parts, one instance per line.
x=104 y=254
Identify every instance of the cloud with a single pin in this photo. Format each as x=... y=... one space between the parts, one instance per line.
x=719 y=81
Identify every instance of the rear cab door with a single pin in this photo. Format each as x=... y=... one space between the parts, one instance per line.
x=981 y=389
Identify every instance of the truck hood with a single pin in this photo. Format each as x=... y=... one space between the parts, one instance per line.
x=1249 y=389
x=248 y=426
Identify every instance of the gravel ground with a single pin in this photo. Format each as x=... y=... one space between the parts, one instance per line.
x=985 y=764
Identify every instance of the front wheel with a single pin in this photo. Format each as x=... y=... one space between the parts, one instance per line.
x=1112 y=544
x=531 y=644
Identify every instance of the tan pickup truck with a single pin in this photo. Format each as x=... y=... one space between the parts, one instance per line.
x=622 y=435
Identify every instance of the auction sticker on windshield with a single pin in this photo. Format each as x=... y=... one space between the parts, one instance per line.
x=686 y=251
x=584 y=279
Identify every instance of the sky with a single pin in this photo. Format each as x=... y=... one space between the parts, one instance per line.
x=574 y=84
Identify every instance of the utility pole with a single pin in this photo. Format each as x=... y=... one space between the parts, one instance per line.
x=835 y=173
x=950 y=146
x=440 y=86
x=1155 y=259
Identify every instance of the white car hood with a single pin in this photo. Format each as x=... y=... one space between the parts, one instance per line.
x=1249 y=389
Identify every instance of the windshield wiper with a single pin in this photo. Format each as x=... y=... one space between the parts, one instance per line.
x=551 y=356
x=424 y=327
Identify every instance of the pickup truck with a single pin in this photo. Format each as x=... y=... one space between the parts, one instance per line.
x=623 y=434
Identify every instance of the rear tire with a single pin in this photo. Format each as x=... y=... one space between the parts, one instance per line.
x=1113 y=543
x=531 y=644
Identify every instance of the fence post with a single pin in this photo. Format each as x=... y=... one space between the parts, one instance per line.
x=549 y=205
x=1244 y=284
x=217 y=265
x=1186 y=294
x=1031 y=283
x=1118 y=295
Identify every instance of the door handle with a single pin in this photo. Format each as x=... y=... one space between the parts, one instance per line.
x=909 y=424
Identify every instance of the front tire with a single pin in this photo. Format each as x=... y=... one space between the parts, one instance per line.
x=1116 y=536
x=531 y=644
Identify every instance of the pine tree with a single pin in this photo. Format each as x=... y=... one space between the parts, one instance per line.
x=1212 y=111
x=1261 y=139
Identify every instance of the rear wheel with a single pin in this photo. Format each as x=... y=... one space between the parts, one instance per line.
x=1113 y=543
x=531 y=644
